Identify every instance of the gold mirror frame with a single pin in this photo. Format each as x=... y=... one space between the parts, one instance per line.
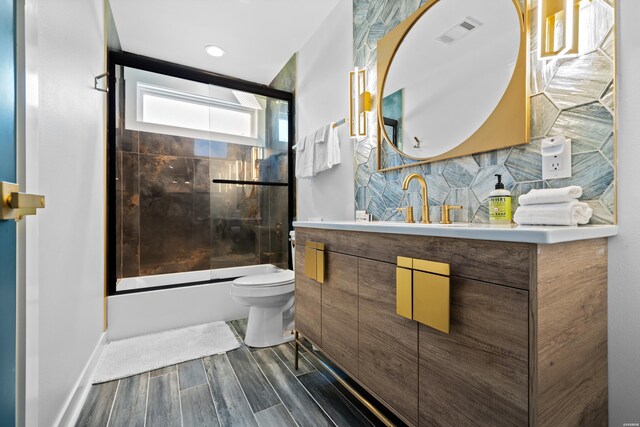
x=508 y=124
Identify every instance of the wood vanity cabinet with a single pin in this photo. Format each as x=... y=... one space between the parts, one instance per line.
x=388 y=343
x=340 y=310
x=527 y=343
x=478 y=373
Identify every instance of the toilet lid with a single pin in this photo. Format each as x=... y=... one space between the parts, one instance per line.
x=270 y=279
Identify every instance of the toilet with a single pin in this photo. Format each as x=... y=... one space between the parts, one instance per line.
x=270 y=298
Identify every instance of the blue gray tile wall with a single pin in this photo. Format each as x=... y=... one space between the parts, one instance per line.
x=572 y=97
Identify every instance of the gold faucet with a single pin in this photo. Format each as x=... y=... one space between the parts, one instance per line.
x=409 y=210
x=425 y=194
x=444 y=212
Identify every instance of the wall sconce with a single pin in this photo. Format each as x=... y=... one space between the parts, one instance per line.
x=359 y=102
x=558 y=28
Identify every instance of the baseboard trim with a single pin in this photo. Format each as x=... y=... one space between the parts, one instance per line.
x=73 y=405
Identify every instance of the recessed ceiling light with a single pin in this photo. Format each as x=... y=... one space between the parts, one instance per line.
x=214 y=50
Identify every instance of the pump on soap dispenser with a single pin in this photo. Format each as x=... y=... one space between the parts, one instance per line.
x=500 y=204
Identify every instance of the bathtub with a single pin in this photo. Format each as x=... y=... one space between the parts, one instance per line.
x=206 y=299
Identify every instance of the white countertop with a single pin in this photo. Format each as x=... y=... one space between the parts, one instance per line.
x=504 y=233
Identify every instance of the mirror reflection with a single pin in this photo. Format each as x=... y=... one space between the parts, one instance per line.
x=449 y=74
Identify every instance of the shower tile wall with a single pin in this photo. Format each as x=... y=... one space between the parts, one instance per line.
x=165 y=203
x=173 y=219
x=573 y=97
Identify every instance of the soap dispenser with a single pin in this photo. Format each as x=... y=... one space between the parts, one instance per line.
x=500 y=204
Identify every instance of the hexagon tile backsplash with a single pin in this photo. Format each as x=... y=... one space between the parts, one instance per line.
x=572 y=97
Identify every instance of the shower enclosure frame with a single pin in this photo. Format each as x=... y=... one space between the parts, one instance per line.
x=145 y=63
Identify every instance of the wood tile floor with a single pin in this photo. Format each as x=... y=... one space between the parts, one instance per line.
x=245 y=387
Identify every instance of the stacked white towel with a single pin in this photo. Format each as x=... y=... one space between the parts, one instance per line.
x=317 y=152
x=550 y=195
x=557 y=206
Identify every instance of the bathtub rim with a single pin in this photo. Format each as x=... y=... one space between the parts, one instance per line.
x=218 y=275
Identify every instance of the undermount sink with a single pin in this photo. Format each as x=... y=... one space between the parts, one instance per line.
x=453 y=224
x=419 y=224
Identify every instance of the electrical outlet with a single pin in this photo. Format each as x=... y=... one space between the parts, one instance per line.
x=556 y=157
x=362 y=216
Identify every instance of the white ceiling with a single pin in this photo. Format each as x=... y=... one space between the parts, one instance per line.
x=259 y=36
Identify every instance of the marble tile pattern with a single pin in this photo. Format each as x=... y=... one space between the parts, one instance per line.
x=569 y=96
x=286 y=78
x=172 y=218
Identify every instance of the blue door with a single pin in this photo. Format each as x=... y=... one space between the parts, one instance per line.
x=7 y=228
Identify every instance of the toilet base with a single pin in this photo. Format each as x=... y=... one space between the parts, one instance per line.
x=265 y=327
x=286 y=337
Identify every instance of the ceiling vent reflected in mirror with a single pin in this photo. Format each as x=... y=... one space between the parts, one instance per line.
x=459 y=31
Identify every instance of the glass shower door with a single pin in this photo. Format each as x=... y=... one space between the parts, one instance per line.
x=249 y=190
x=201 y=179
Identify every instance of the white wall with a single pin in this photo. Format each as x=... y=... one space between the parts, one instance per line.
x=322 y=95
x=624 y=250
x=64 y=125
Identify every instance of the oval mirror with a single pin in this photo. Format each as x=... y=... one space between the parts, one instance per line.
x=452 y=79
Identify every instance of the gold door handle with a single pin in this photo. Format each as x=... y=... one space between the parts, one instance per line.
x=15 y=204
x=25 y=201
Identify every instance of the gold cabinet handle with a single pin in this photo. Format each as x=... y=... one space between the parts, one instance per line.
x=310 y=260
x=320 y=265
x=431 y=300
x=404 y=292
x=15 y=204
x=314 y=261
x=423 y=292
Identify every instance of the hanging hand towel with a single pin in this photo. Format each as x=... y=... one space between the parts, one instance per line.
x=568 y=213
x=304 y=157
x=550 y=195
x=327 y=148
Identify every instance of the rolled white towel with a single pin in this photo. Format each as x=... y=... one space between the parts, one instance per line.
x=568 y=213
x=550 y=195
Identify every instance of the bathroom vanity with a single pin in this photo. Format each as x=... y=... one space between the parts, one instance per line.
x=462 y=324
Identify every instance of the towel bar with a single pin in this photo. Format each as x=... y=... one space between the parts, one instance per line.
x=340 y=123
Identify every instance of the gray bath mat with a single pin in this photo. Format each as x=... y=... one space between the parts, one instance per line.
x=132 y=356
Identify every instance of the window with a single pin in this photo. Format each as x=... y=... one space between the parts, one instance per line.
x=164 y=104
x=179 y=109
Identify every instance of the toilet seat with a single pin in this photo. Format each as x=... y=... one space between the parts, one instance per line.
x=264 y=285
x=285 y=277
